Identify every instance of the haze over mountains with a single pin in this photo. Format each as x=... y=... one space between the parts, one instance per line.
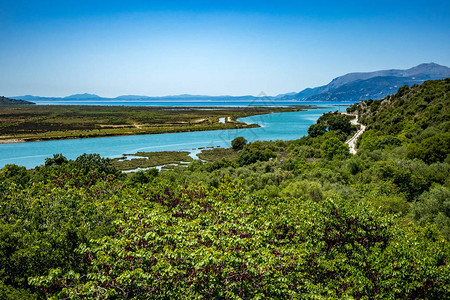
x=370 y=85
x=349 y=87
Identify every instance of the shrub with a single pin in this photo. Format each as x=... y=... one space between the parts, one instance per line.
x=14 y=173
x=317 y=130
x=433 y=207
x=250 y=156
x=58 y=159
x=334 y=148
x=238 y=143
x=432 y=149
x=142 y=177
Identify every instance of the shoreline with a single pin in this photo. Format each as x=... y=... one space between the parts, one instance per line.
x=28 y=140
x=141 y=130
x=12 y=141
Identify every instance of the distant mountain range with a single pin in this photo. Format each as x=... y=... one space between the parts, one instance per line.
x=82 y=97
x=370 y=85
x=351 y=87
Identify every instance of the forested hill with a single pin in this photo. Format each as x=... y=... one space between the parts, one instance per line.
x=8 y=101
x=417 y=117
x=421 y=110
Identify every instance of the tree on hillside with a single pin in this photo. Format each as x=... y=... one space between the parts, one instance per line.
x=334 y=148
x=238 y=143
x=336 y=121
x=58 y=159
x=317 y=129
x=432 y=149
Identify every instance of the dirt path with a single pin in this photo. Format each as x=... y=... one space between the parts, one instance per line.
x=351 y=142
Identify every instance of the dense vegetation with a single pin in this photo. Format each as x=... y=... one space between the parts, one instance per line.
x=8 y=101
x=297 y=219
x=413 y=114
x=46 y=122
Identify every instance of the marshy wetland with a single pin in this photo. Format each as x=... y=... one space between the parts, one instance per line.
x=54 y=122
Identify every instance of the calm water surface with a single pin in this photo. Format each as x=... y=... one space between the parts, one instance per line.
x=277 y=126
x=213 y=103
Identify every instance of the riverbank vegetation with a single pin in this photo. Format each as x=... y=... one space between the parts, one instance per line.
x=47 y=122
x=280 y=219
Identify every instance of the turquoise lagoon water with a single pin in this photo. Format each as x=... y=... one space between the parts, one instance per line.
x=277 y=126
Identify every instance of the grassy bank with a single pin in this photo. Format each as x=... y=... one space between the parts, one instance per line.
x=213 y=155
x=151 y=159
x=51 y=122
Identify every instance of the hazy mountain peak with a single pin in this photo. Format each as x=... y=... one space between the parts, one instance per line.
x=385 y=82
x=429 y=68
x=349 y=87
x=83 y=96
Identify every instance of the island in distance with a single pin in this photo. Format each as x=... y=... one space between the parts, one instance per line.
x=349 y=87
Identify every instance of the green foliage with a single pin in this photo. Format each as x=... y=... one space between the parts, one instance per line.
x=14 y=174
x=251 y=156
x=85 y=170
x=426 y=105
x=13 y=102
x=314 y=223
x=404 y=174
x=388 y=141
x=433 y=149
x=333 y=148
x=433 y=207
x=87 y=163
x=238 y=143
x=407 y=146
x=223 y=163
x=304 y=152
x=221 y=244
x=154 y=235
x=403 y=91
x=369 y=140
x=355 y=165
x=143 y=177
x=305 y=190
x=216 y=154
x=10 y=293
x=58 y=159
x=336 y=121
x=385 y=196
x=316 y=130
x=42 y=225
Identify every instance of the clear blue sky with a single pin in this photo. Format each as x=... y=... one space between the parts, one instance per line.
x=111 y=48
